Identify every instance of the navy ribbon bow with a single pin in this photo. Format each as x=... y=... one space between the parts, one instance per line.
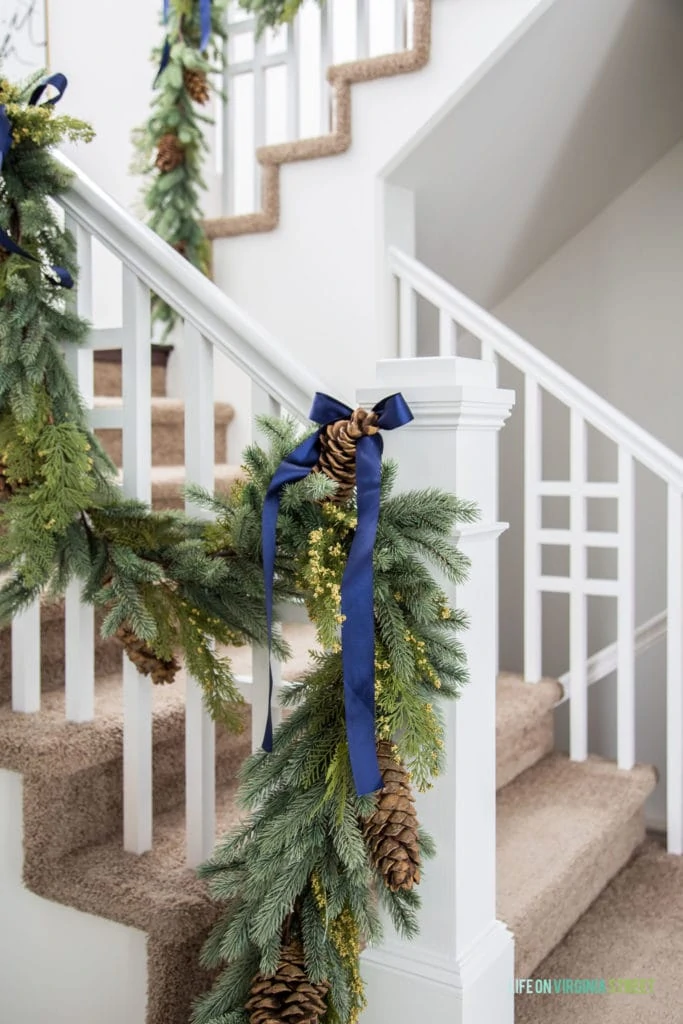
x=58 y=82
x=204 y=30
x=357 y=600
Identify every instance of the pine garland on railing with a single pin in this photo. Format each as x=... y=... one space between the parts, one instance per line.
x=304 y=874
x=301 y=877
x=271 y=13
x=171 y=146
x=62 y=516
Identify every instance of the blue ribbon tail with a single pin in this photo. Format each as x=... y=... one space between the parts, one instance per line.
x=5 y=133
x=358 y=625
x=62 y=277
x=205 y=23
x=58 y=81
x=165 y=60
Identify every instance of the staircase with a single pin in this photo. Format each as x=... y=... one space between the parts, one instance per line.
x=125 y=787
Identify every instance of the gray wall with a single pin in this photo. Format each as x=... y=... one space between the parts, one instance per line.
x=608 y=306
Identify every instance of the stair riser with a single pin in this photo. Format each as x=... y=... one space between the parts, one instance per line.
x=555 y=913
x=108 y=653
x=108 y=380
x=175 y=978
x=521 y=749
x=67 y=813
x=168 y=443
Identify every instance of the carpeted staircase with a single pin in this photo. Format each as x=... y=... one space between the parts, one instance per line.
x=565 y=829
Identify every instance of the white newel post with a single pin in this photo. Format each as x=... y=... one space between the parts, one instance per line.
x=460 y=968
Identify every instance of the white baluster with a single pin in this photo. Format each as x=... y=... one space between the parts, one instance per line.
x=533 y=473
x=674 y=672
x=407 y=320
x=400 y=25
x=259 y=690
x=448 y=334
x=259 y=109
x=293 y=113
x=200 y=733
x=326 y=52
x=262 y=404
x=626 y=616
x=488 y=353
x=26 y=659
x=578 y=652
x=79 y=617
x=228 y=135
x=362 y=29
x=137 y=452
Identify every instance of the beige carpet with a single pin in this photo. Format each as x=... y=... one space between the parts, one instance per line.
x=564 y=830
x=634 y=930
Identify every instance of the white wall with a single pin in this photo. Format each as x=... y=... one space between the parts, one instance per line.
x=608 y=306
x=104 y=49
x=573 y=114
x=57 y=964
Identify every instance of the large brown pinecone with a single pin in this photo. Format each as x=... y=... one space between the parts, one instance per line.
x=144 y=658
x=338 y=450
x=196 y=85
x=170 y=153
x=288 y=996
x=391 y=832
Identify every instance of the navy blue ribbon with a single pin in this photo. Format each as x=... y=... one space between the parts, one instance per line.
x=58 y=81
x=204 y=23
x=357 y=599
x=204 y=29
x=166 y=50
x=5 y=133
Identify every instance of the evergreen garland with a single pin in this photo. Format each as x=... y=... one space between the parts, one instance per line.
x=271 y=13
x=171 y=146
x=62 y=515
x=304 y=875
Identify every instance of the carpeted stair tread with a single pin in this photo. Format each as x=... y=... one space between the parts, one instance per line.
x=168 y=483
x=524 y=724
x=564 y=830
x=154 y=891
x=168 y=430
x=28 y=741
x=633 y=930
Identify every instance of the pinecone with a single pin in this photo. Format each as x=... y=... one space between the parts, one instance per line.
x=144 y=658
x=170 y=153
x=288 y=996
x=196 y=85
x=338 y=450
x=391 y=832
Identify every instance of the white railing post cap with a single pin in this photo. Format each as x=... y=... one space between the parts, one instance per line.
x=443 y=391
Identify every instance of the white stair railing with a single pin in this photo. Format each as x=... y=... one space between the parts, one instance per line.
x=275 y=88
x=211 y=323
x=458 y=319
